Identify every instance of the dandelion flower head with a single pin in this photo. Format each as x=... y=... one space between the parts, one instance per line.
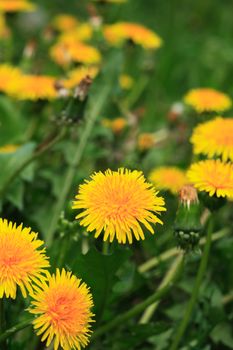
x=212 y=176
x=21 y=262
x=117 y=33
x=168 y=178
x=63 y=306
x=207 y=100
x=118 y=203
x=214 y=137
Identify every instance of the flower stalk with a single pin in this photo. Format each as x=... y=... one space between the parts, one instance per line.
x=158 y=295
x=201 y=271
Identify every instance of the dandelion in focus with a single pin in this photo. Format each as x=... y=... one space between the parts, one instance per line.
x=117 y=33
x=21 y=262
x=212 y=176
x=63 y=306
x=214 y=137
x=207 y=100
x=118 y=203
x=168 y=178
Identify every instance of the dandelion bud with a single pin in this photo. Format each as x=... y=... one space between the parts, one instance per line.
x=187 y=223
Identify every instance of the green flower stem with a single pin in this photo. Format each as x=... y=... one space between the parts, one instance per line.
x=2 y=321
x=31 y=159
x=201 y=272
x=148 y=313
x=18 y=327
x=153 y=262
x=90 y=122
x=121 y=319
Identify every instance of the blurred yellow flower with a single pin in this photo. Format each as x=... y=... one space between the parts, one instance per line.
x=168 y=178
x=118 y=203
x=21 y=262
x=64 y=22
x=63 y=53
x=212 y=176
x=116 y=125
x=8 y=148
x=16 y=5
x=76 y=75
x=82 y=32
x=9 y=76
x=146 y=141
x=207 y=100
x=117 y=33
x=4 y=30
x=126 y=81
x=214 y=137
x=63 y=306
x=34 y=87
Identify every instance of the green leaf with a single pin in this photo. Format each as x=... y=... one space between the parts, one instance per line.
x=99 y=272
x=223 y=334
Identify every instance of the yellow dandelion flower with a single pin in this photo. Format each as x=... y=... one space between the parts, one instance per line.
x=63 y=306
x=212 y=176
x=65 y=22
x=34 y=87
x=146 y=141
x=126 y=81
x=117 y=33
x=78 y=74
x=207 y=100
x=9 y=76
x=9 y=148
x=118 y=203
x=63 y=53
x=16 y=5
x=21 y=262
x=214 y=137
x=117 y=125
x=168 y=178
x=4 y=30
x=82 y=32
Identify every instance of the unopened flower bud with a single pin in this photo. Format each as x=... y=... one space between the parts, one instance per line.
x=187 y=224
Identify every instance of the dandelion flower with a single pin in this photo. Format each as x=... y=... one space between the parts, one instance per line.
x=34 y=87
x=16 y=5
x=168 y=178
x=118 y=202
x=65 y=22
x=78 y=74
x=212 y=176
x=63 y=53
x=9 y=76
x=9 y=148
x=116 y=125
x=126 y=82
x=214 y=137
x=21 y=262
x=117 y=33
x=207 y=100
x=146 y=141
x=63 y=306
x=81 y=33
